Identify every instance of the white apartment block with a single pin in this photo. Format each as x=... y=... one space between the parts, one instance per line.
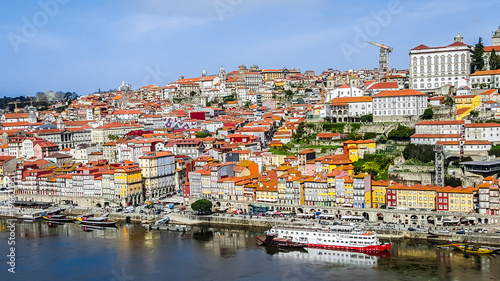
x=483 y=131
x=344 y=91
x=486 y=79
x=401 y=105
x=433 y=67
x=441 y=127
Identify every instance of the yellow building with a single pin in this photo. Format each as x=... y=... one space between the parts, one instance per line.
x=356 y=149
x=271 y=74
x=378 y=193
x=415 y=196
x=455 y=199
x=348 y=191
x=149 y=166
x=465 y=104
x=332 y=162
x=267 y=192
x=129 y=181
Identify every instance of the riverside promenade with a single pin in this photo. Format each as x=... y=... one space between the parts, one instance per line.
x=384 y=230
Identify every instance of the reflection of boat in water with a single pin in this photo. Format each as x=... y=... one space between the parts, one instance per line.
x=164 y=224
x=89 y=228
x=333 y=256
x=338 y=237
x=273 y=240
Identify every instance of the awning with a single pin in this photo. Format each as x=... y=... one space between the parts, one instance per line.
x=267 y=200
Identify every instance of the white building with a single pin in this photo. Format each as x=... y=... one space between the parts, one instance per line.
x=433 y=67
x=483 y=131
x=349 y=109
x=441 y=127
x=344 y=91
x=253 y=80
x=486 y=79
x=400 y=105
x=466 y=146
x=376 y=88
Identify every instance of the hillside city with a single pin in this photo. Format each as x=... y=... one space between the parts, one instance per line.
x=423 y=138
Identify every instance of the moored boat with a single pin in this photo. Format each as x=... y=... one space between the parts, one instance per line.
x=58 y=218
x=96 y=221
x=273 y=240
x=469 y=249
x=337 y=237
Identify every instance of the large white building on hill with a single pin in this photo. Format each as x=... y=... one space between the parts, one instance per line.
x=433 y=67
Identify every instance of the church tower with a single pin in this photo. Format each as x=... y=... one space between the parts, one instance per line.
x=60 y=123
x=459 y=38
x=495 y=39
x=222 y=74
x=32 y=115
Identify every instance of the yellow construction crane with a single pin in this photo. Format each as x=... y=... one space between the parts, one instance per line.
x=383 y=62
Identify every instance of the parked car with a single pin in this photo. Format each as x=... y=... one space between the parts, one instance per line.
x=461 y=232
x=411 y=229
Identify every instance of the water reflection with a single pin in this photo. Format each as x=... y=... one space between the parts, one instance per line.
x=228 y=253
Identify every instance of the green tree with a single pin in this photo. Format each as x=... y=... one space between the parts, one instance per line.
x=474 y=113
x=354 y=136
x=202 y=206
x=372 y=168
x=367 y=118
x=202 y=134
x=299 y=133
x=421 y=152
x=382 y=139
x=477 y=61
x=428 y=114
x=402 y=133
x=113 y=137
x=494 y=61
x=369 y=135
x=289 y=94
x=247 y=104
x=449 y=101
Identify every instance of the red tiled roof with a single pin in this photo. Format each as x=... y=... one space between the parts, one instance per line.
x=384 y=85
x=399 y=93
x=462 y=110
x=486 y=72
x=446 y=122
x=435 y=136
x=481 y=125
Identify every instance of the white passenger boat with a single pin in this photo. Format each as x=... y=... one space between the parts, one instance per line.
x=338 y=237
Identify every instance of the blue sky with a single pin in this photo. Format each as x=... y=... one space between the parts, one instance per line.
x=83 y=46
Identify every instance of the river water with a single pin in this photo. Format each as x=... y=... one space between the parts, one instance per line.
x=130 y=252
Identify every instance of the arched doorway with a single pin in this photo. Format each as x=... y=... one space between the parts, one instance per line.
x=366 y=215
x=300 y=210
x=430 y=219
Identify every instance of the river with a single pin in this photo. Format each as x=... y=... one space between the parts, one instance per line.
x=130 y=252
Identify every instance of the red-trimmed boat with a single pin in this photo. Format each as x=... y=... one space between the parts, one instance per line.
x=338 y=237
x=273 y=240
